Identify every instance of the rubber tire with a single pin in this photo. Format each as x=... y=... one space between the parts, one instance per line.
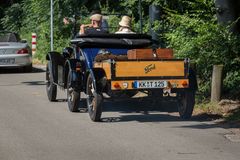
x=186 y=104
x=27 y=69
x=74 y=99
x=94 y=102
x=50 y=86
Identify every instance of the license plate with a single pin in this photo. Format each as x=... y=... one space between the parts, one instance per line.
x=150 y=84
x=7 y=61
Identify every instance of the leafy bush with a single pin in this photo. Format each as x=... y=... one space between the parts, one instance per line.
x=207 y=44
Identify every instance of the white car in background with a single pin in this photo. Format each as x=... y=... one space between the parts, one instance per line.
x=14 y=52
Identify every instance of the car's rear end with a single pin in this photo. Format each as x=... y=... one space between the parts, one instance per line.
x=14 y=52
x=15 y=55
x=160 y=78
x=149 y=74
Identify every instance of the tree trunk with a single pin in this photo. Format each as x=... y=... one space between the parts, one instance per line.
x=238 y=15
x=227 y=13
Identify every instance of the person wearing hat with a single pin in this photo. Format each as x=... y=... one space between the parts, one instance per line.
x=98 y=24
x=125 y=25
x=94 y=27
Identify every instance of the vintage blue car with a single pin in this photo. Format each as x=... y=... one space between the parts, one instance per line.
x=119 y=65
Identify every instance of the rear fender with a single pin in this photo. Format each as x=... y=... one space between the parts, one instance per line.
x=55 y=59
x=97 y=75
x=77 y=76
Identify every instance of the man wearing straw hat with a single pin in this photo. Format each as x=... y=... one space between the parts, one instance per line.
x=125 y=26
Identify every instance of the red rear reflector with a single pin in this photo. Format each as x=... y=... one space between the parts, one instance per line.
x=116 y=85
x=22 y=51
x=185 y=84
x=78 y=66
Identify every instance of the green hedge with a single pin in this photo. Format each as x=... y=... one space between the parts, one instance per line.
x=207 y=44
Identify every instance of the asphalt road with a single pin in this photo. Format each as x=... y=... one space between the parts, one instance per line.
x=32 y=128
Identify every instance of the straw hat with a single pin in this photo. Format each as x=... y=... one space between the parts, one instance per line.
x=125 y=22
x=96 y=17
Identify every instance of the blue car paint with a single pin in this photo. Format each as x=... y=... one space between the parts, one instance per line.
x=90 y=54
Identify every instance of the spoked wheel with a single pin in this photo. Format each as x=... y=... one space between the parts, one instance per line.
x=94 y=101
x=186 y=104
x=50 y=86
x=73 y=96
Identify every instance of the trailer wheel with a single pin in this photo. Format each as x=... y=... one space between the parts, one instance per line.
x=94 y=101
x=186 y=104
x=50 y=86
x=73 y=95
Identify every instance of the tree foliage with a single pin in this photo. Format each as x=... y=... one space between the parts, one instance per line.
x=13 y=17
x=207 y=44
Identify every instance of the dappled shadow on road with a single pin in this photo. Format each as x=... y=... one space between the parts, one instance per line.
x=60 y=100
x=142 y=118
x=203 y=117
x=144 y=110
x=34 y=83
x=9 y=70
x=141 y=110
x=216 y=124
x=139 y=105
x=20 y=70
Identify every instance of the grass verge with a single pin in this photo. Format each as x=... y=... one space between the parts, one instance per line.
x=227 y=109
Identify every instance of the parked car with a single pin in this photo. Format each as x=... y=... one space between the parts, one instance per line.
x=14 y=52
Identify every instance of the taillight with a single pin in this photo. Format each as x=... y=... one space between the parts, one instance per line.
x=185 y=84
x=22 y=51
x=116 y=85
x=78 y=66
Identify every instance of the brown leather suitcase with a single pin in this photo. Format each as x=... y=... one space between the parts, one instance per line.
x=150 y=54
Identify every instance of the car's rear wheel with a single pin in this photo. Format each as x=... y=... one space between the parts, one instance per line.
x=50 y=86
x=73 y=95
x=28 y=68
x=186 y=104
x=94 y=101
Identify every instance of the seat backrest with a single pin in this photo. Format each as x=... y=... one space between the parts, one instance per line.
x=90 y=54
x=12 y=38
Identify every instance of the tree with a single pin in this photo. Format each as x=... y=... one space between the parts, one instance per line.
x=228 y=12
x=13 y=18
